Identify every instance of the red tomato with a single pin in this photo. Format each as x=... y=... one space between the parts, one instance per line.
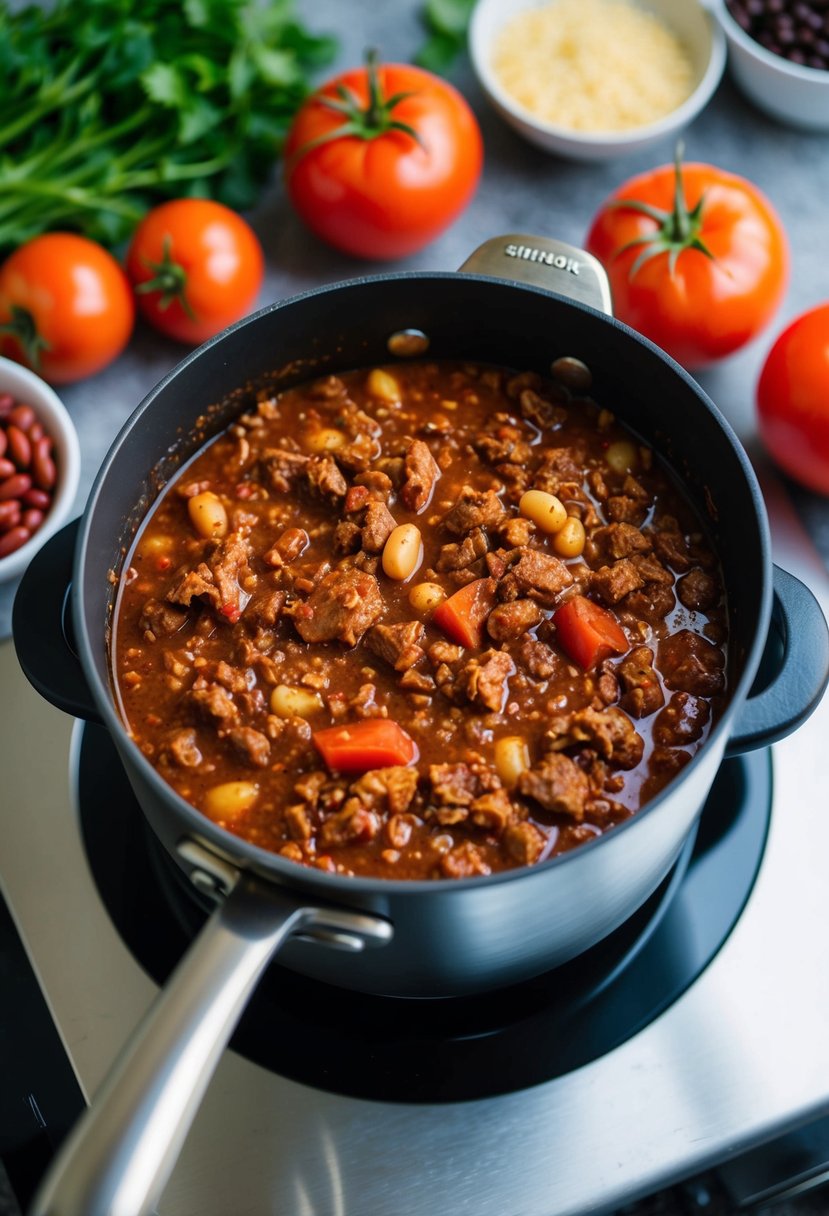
x=793 y=399
x=196 y=267
x=65 y=307
x=588 y=633
x=697 y=259
x=360 y=746
x=462 y=616
x=381 y=159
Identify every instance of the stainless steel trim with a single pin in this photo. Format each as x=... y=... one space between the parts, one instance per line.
x=544 y=262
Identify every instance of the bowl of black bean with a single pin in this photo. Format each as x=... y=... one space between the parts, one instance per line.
x=779 y=56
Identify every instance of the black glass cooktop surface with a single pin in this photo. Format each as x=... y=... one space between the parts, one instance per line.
x=391 y=1049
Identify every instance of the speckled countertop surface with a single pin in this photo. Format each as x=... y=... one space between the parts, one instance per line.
x=524 y=190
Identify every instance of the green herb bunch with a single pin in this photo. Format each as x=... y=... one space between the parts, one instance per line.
x=108 y=106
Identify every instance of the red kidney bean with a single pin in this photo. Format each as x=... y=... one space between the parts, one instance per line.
x=6 y=404
x=36 y=431
x=37 y=498
x=15 y=487
x=9 y=514
x=20 y=447
x=4 y=443
x=13 y=540
x=22 y=416
x=32 y=519
x=43 y=466
x=7 y=469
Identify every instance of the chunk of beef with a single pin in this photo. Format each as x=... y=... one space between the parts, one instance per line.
x=483 y=680
x=619 y=540
x=672 y=549
x=538 y=659
x=213 y=704
x=327 y=388
x=516 y=531
x=509 y=621
x=559 y=465
x=558 y=784
x=288 y=546
x=609 y=731
x=281 y=468
x=251 y=745
x=651 y=570
x=682 y=721
x=536 y=409
x=698 y=591
x=474 y=509
x=378 y=484
x=420 y=472
x=464 y=861
x=348 y=537
x=354 y=824
x=492 y=811
x=642 y=691
x=342 y=606
x=265 y=607
x=160 y=620
x=325 y=478
x=387 y=789
x=183 y=749
x=377 y=527
x=217 y=580
x=611 y=583
x=399 y=645
x=454 y=785
x=623 y=509
x=690 y=663
x=524 y=842
x=652 y=603
x=540 y=576
x=457 y=556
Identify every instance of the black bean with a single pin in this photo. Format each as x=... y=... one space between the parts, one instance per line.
x=797 y=30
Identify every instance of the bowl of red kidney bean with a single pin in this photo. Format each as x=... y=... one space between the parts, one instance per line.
x=39 y=466
x=779 y=56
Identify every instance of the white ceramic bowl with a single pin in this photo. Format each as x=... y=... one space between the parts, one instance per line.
x=29 y=389
x=689 y=19
x=785 y=90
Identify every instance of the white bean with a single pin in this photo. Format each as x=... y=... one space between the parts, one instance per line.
x=622 y=456
x=569 y=542
x=425 y=597
x=383 y=386
x=403 y=552
x=207 y=515
x=324 y=439
x=543 y=509
x=230 y=799
x=512 y=757
x=290 y=702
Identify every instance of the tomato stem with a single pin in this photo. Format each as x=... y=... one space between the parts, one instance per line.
x=677 y=229
x=364 y=122
x=169 y=280
x=22 y=328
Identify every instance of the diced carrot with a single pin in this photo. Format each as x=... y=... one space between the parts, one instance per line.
x=462 y=617
x=360 y=746
x=588 y=633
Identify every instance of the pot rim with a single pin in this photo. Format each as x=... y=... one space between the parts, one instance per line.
x=270 y=865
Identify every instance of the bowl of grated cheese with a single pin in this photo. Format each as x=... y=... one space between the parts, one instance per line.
x=596 y=79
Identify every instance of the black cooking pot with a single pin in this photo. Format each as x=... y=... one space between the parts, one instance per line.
x=436 y=938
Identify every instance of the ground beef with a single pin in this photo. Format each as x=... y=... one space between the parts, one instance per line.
x=343 y=605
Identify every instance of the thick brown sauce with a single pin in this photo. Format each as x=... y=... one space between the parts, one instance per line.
x=485 y=429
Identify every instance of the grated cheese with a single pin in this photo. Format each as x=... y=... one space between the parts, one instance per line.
x=593 y=65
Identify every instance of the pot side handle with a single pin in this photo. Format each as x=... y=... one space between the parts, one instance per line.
x=542 y=261
x=119 y=1156
x=798 y=649
x=42 y=628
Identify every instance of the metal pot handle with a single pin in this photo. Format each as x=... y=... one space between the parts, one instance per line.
x=797 y=654
x=119 y=1156
x=42 y=628
x=541 y=261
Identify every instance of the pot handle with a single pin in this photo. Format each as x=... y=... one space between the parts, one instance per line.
x=544 y=262
x=797 y=649
x=119 y=1156
x=42 y=628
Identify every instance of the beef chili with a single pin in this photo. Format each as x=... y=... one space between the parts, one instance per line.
x=433 y=620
